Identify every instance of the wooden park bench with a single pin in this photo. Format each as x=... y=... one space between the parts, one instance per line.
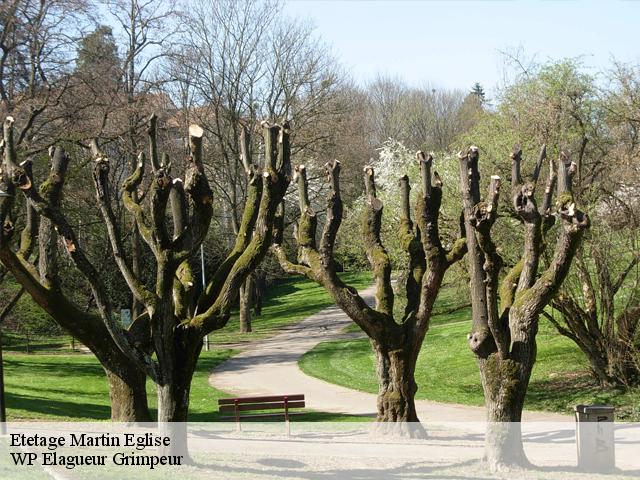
x=239 y=407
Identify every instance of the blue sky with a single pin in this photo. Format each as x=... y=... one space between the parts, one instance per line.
x=454 y=44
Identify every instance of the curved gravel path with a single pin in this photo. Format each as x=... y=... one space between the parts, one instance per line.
x=270 y=367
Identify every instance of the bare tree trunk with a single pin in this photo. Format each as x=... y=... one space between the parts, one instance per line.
x=128 y=393
x=173 y=398
x=397 y=386
x=503 y=445
x=246 y=297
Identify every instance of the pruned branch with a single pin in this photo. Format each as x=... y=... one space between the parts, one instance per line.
x=132 y=203
x=410 y=241
x=574 y=223
x=103 y=195
x=308 y=222
x=485 y=214
x=30 y=230
x=376 y=253
x=197 y=187
x=334 y=213
x=480 y=339
x=275 y=177
x=516 y=159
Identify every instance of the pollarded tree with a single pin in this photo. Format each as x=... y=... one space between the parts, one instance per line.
x=33 y=260
x=170 y=331
x=503 y=337
x=395 y=341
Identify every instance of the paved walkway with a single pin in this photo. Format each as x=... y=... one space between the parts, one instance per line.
x=270 y=367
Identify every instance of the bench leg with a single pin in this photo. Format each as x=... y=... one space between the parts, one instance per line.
x=237 y=414
x=286 y=416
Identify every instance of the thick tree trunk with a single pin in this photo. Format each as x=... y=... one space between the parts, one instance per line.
x=503 y=446
x=173 y=396
x=128 y=393
x=173 y=411
x=246 y=297
x=505 y=385
x=397 y=390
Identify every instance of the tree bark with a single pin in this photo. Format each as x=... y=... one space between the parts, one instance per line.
x=128 y=393
x=246 y=300
x=505 y=384
x=397 y=385
x=173 y=397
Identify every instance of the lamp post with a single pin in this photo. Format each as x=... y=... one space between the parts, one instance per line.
x=3 y=410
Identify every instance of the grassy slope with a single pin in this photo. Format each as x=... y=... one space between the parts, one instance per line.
x=290 y=301
x=64 y=386
x=447 y=371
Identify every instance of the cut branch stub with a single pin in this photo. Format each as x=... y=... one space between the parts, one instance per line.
x=303 y=187
x=195 y=145
x=516 y=159
x=471 y=185
x=525 y=204
x=405 y=189
x=165 y=162
x=332 y=169
x=334 y=213
x=163 y=179
x=566 y=170
x=369 y=182
x=101 y=176
x=9 y=150
x=19 y=177
x=569 y=212
x=425 y=162
x=545 y=208
x=179 y=207
x=308 y=223
x=485 y=213
x=27 y=166
x=437 y=181
x=370 y=188
x=283 y=163
x=271 y=137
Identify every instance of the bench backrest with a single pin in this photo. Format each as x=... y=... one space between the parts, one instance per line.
x=271 y=402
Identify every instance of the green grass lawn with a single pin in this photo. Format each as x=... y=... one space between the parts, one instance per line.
x=74 y=387
x=447 y=371
x=60 y=385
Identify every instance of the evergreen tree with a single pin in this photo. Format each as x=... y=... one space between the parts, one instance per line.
x=478 y=91
x=98 y=55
